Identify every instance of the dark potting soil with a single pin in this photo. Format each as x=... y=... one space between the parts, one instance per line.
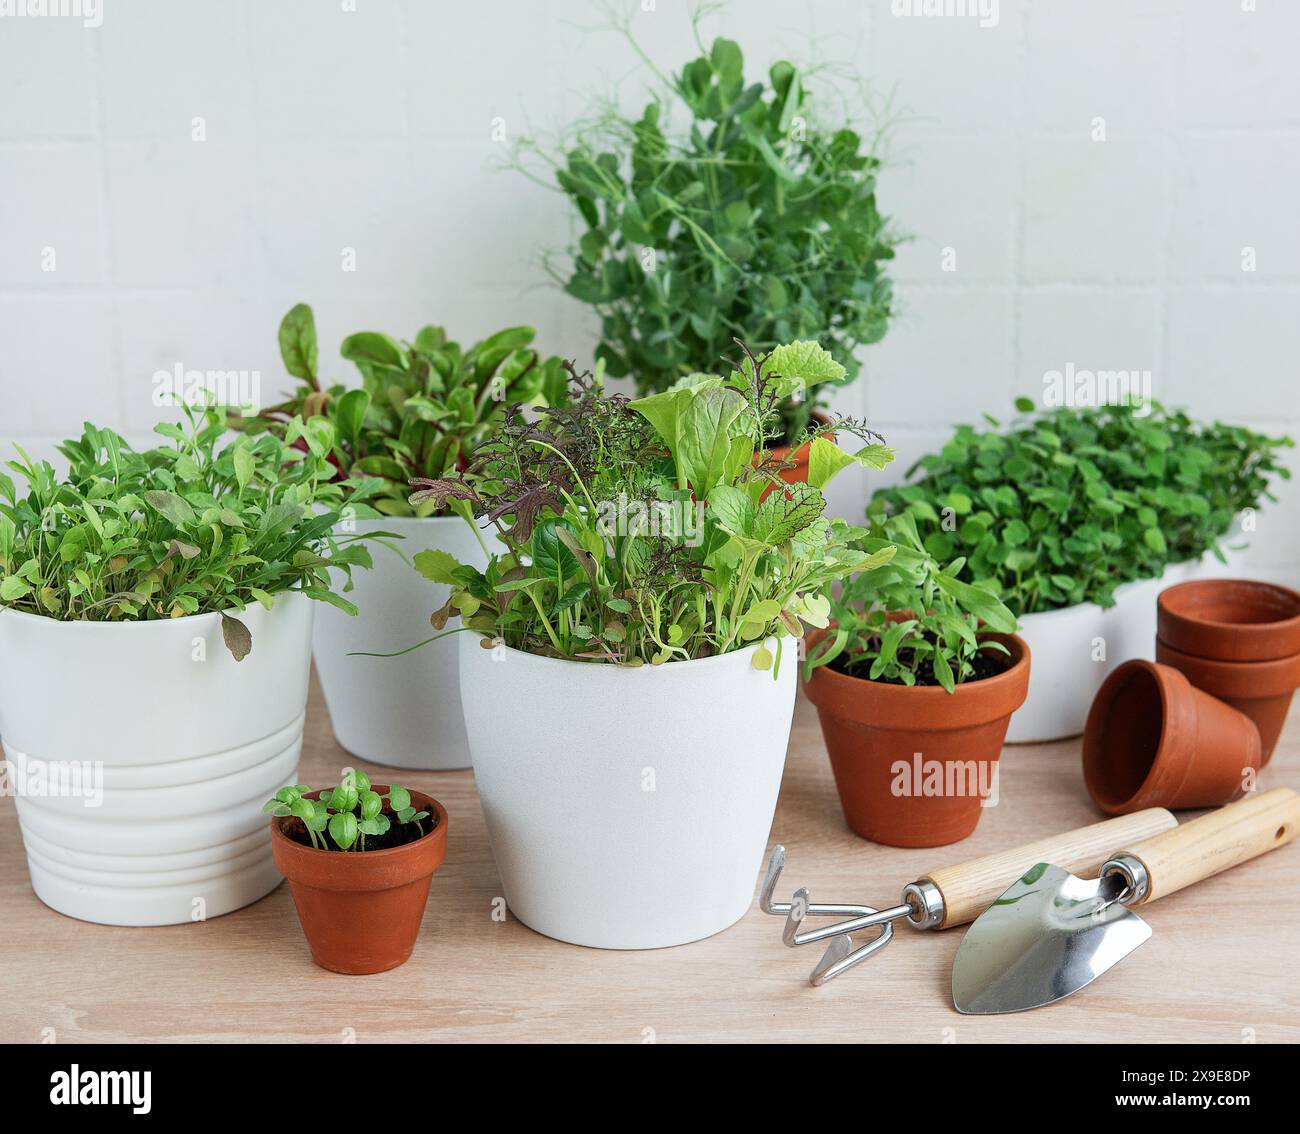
x=397 y=835
x=986 y=665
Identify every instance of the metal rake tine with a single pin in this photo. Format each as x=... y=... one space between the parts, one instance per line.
x=840 y=955
x=775 y=865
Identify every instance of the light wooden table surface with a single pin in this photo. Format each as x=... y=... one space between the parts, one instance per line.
x=1220 y=966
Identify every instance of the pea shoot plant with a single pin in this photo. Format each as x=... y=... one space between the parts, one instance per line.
x=421 y=407
x=913 y=621
x=182 y=529
x=1066 y=505
x=638 y=531
x=727 y=208
x=341 y=818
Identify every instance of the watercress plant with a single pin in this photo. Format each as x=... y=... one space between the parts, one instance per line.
x=638 y=531
x=913 y=621
x=181 y=529
x=421 y=407
x=342 y=817
x=1068 y=504
x=726 y=209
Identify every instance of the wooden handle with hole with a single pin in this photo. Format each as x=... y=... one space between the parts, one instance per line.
x=1201 y=848
x=969 y=888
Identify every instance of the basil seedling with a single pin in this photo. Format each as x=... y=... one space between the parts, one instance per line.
x=342 y=817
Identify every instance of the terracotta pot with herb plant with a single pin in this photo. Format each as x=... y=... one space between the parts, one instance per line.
x=727 y=208
x=359 y=858
x=421 y=407
x=1076 y=518
x=155 y=646
x=629 y=674
x=914 y=682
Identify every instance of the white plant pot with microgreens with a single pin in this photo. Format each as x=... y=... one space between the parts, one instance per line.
x=155 y=649
x=404 y=711
x=142 y=752
x=1075 y=649
x=628 y=808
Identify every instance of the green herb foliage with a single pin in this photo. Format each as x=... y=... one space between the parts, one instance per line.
x=341 y=818
x=1068 y=504
x=913 y=620
x=177 y=530
x=726 y=209
x=421 y=407
x=638 y=531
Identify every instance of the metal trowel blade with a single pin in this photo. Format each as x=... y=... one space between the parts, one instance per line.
x=1048 y=936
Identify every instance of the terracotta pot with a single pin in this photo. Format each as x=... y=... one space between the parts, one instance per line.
x=1262 y=690
x=798 y=474
x=912 y=765
x=1235 y=620
x=361 y=910
x=1155 y=740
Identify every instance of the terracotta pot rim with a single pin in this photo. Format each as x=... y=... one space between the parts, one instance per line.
x=782 y=452
x=1019 y=657
x=1181 y=627
x=923 y=708
x=1172 y=738
x=357 y=860
x=1263 y=678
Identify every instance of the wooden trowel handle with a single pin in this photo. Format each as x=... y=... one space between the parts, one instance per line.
x=969 y=888
x=1201 y=848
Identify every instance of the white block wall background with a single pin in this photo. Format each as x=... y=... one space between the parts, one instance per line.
x=1104 y=183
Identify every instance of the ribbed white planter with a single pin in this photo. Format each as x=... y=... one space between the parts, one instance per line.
x=185 y=743
x=1067 y=646
x=627 y=808
x=403 y=712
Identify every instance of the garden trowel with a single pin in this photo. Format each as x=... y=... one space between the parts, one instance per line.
x=1053 y=933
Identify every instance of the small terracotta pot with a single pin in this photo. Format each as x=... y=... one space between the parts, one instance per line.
x=1155 y=740
x=798 y=474
x=361 y=910
x=1235 y=620
x=912 y=764
x=1262 y=690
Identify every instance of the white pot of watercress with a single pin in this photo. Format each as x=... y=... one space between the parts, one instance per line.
x=155 y=650
x=141 y=753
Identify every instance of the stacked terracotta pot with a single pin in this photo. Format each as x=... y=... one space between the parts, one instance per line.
x=1193 y=728
x=1238 y=640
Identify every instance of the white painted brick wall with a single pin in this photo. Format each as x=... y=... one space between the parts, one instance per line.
x=370 y=129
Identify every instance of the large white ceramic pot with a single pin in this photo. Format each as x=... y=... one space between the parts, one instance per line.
x=141 y=754
x=405 y=711
x=627 y=808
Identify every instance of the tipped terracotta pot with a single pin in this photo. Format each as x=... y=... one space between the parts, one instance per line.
x=914 y=764
x=1155 y=740
x=1235 y=620
x=1261 y=690
x=798 y=473
x=361 y=910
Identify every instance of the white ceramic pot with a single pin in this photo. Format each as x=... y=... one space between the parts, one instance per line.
x=180 y=746
x=403 y=712
x=627 y=808
x=1075 y=649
